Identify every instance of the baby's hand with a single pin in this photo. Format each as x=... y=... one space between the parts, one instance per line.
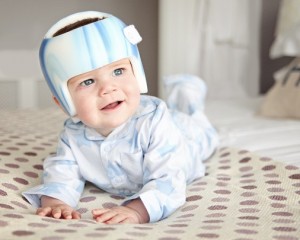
x=58 y=211
x=121 y=214
x=52 y=207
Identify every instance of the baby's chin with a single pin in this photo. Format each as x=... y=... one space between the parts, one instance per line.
x=108 y=128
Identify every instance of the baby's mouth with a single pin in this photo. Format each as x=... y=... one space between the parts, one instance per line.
x=112 y=105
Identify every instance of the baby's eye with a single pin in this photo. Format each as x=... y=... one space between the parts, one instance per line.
x=118 y=71
x=87 y=82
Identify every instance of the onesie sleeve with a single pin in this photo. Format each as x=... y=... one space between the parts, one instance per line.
x=61 y=177
x=165 y=168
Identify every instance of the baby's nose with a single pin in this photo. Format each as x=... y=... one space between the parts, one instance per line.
x=107 y=89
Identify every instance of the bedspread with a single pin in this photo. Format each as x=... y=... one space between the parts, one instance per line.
x=242 y=196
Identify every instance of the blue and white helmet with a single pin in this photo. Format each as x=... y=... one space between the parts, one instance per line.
x=87 y=48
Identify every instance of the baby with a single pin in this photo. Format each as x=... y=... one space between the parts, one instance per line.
x=123 y=142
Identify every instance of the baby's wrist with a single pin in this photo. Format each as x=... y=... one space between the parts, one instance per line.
x=138 y=207
x=138 y=215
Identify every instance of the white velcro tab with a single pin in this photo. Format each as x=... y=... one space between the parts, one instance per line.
x=132 y=34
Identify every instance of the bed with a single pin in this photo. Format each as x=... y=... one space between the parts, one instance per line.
x=251 y=189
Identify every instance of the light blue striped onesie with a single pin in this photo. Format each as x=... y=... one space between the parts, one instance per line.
x=153 y=155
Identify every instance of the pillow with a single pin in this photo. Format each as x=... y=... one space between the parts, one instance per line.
x=283 y=99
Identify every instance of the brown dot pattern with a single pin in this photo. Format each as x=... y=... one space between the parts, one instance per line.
x=242 y=196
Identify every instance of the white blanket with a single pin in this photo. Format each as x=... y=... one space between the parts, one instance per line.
x=240 y=126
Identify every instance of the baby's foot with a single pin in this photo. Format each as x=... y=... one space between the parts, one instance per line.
x=185 y=93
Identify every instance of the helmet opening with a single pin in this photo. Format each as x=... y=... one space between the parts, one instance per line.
x=75 y=25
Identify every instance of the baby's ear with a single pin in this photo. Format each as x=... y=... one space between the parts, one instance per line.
x=56 y=101
x=58 y=104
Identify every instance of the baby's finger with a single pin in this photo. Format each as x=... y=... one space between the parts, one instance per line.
x=56 y=213
x=43 y=211
x=76 y=215
x=127 y=220
x=119 y=218
x=67 y=214
x=107 y=215
x=101 y=211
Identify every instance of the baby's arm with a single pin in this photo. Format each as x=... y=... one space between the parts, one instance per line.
x=132 y=212
x=52 y=207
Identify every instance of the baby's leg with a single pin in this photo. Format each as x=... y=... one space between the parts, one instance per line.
x=185 y=93
x=185 y=98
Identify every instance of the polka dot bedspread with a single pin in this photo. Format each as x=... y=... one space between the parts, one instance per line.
x=243 y=196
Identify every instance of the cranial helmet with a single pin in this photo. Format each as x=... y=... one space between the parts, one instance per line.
x=87 y=48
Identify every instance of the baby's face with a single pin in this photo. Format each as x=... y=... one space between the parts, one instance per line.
x=106 y=97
